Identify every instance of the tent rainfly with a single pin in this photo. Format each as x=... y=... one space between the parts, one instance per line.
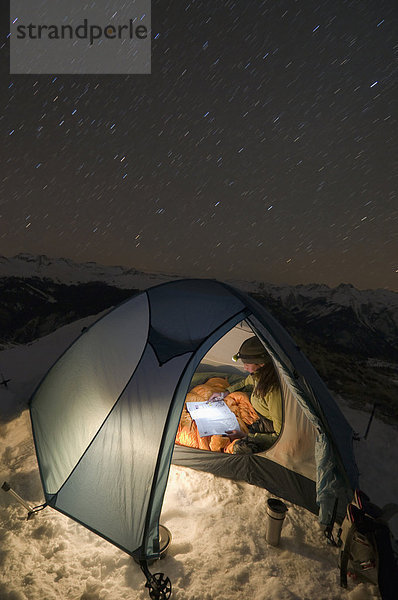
x=106 y=414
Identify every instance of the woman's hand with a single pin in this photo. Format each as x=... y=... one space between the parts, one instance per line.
x=217 y=396
x=235 y=434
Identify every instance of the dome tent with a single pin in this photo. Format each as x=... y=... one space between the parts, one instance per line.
x=105 y=416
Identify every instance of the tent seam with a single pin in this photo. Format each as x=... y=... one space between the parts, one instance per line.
x=244 y=313
x=106 y=417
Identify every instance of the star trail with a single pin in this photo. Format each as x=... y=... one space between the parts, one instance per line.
x=262 y=146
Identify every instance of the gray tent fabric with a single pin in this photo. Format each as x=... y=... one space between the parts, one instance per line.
x=105 y=416
x=333 y=431
x=79 y=391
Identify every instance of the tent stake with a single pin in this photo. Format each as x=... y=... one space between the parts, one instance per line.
x=370 y=420
x=31 y=510
x=7 y=488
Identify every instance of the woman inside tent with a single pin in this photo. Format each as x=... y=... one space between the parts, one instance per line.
x=265 y=396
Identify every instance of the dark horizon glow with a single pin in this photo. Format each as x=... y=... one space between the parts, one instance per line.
x=261 y=147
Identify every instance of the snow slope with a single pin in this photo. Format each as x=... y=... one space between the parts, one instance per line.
x=218 y=550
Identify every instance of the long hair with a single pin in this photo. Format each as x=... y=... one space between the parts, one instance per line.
x=266 y=379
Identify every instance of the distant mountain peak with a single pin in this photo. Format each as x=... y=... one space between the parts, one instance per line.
x=64 y=270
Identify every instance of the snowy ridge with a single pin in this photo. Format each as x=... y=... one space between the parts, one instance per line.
x=317 y=301
x=377 y=309
x=63 y=270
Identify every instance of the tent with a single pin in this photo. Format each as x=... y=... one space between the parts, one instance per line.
x=105 y=416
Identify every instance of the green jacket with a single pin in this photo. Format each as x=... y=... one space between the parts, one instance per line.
x=269 y=407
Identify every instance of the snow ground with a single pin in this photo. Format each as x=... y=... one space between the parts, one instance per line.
x=218 y=551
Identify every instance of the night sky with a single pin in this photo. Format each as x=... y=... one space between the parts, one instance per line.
x=262 y=146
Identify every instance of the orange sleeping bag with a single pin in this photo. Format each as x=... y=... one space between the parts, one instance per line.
x=237 y=402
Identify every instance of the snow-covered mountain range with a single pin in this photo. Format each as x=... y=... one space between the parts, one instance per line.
x=63 y=270
x=350 y=335
x=376 y=310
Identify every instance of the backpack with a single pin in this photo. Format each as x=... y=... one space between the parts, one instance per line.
x=367 y=552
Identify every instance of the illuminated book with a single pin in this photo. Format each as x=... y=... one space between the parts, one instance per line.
x=212 y=418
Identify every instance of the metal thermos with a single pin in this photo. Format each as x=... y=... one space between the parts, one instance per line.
x=276 y=511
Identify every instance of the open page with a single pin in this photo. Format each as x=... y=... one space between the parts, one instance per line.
x=212 y=418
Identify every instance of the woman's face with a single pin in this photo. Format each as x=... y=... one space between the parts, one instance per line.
x=251 y=367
